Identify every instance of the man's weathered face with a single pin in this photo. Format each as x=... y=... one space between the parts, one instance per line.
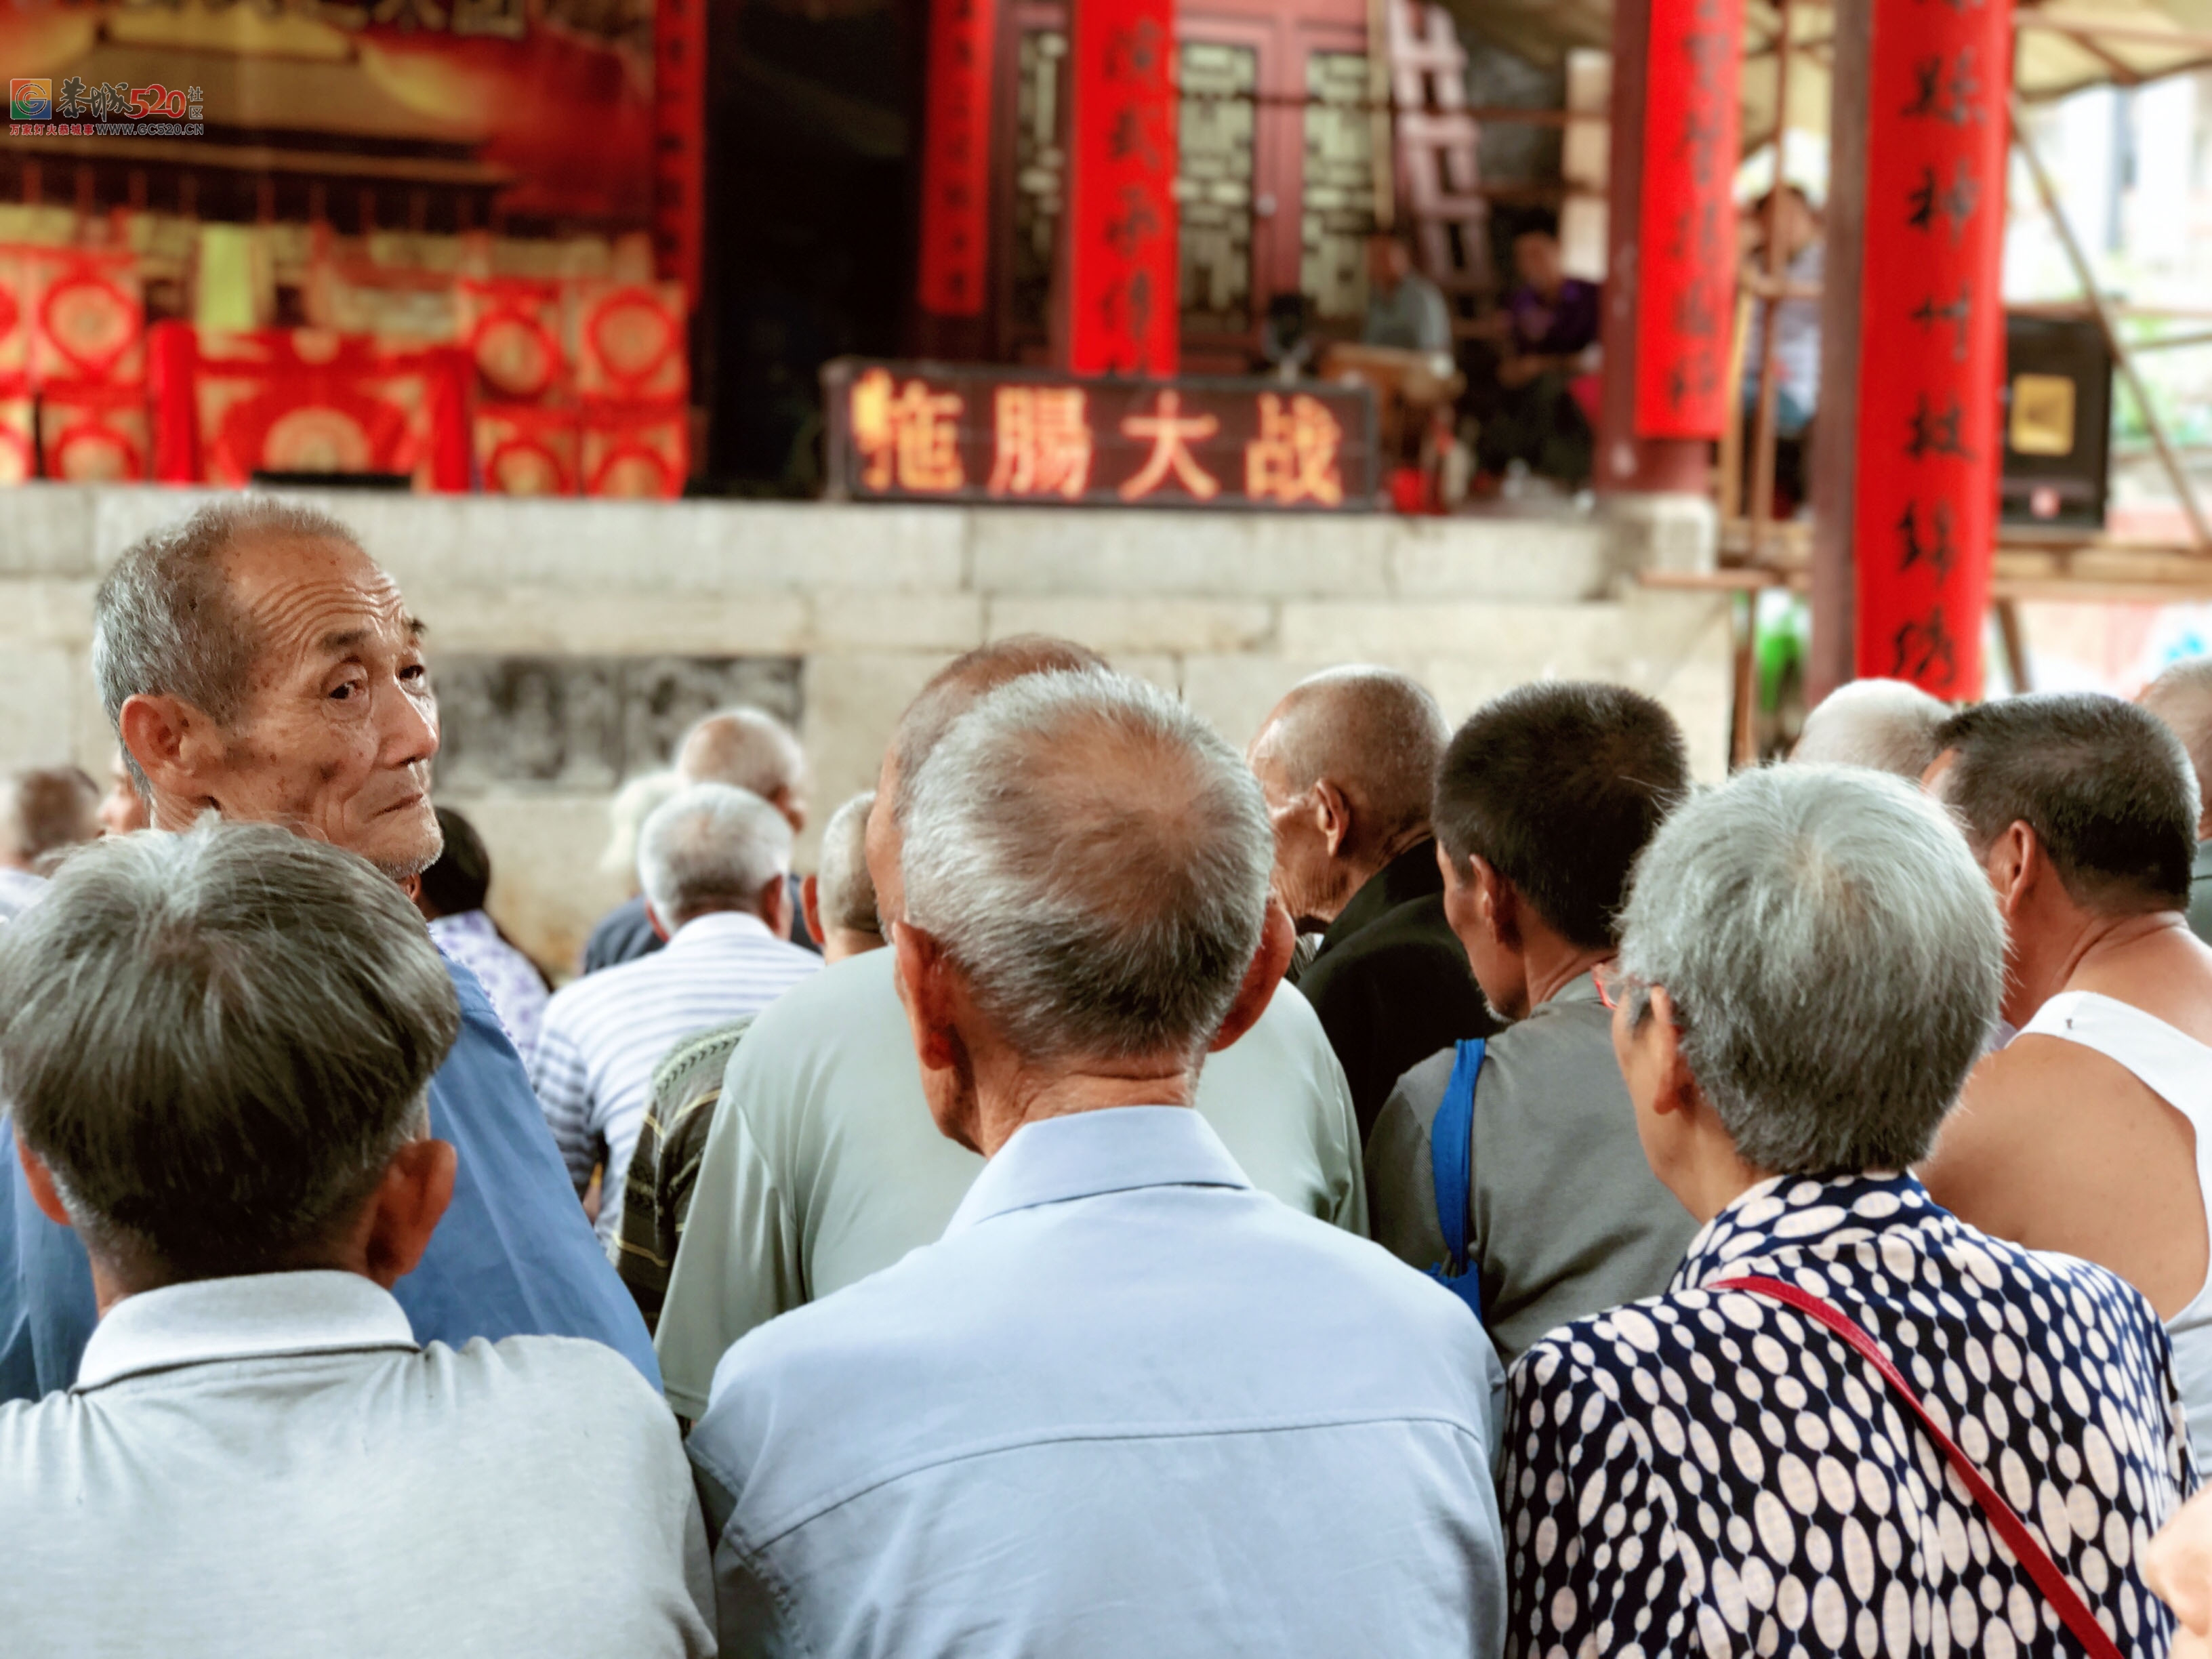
x=340 y=723
x=1306 y=878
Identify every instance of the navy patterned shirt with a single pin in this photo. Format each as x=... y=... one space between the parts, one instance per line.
x=1711 y=1472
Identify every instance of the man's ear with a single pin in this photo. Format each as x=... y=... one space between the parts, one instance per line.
x=404 y=1210
x=928 y=986
x=176 y=746
x=40 y=1180
x=810 y=901
x=2016 y=860
x=1496 y=902
x=775 y=906
x=660 y=929
x=1678 y=1089
x=1332 y=815
x=1279 y=939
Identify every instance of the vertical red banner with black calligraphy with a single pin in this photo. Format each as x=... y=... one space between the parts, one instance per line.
x=1931 y=333
x=1685 y=278
x=955 y=157
x=1120 y=314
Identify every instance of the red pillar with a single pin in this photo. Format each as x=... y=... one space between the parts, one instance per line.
x=679 y=164
x=1117 y=310
x=956 y=158
x=1932 y=330
x=1671 y=254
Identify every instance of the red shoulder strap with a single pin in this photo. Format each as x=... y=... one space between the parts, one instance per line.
x=2072 y=1611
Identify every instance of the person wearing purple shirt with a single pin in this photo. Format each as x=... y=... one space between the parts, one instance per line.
x=452 y=900
x=1547 y=334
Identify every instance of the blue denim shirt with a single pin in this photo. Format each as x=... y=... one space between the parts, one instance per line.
x=514 y=1256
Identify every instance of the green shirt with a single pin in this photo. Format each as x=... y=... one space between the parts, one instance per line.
x=824 y=1165
x=2200 y=894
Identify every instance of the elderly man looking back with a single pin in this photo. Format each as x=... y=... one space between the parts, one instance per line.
x=820 y=1166
x=1141 y=1409
x=1347 y=763
x=258 y=664
x=2090 y=1132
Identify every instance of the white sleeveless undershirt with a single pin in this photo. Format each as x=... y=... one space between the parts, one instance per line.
x=2177 y=1068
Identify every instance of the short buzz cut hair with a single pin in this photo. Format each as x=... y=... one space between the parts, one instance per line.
x=2182 y=697
x=1375 y=732
x=2106 y=786
x=164 y=624
x=955 y=688
x=710 y=847
x=1558 y=786
x=215 y=1040
x=846 y=893
x=1095 y=859
x=1834 y=958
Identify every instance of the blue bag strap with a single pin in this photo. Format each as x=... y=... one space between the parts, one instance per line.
x=1451 y=1153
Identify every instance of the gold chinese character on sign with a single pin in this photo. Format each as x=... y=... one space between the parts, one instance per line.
x=910 y=434
x=1294 y=459
x=1171 y=432
x=1041 y=439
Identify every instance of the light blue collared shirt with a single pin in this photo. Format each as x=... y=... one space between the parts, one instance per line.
x=1127 y=1406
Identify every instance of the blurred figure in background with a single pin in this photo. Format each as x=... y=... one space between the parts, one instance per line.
x=747 y=749
x=452 y=900
x=123 y=809
x=626 y=811
x=841 y=905
x=43 y=814
x=1405 y=310
x=1547 y=334
x=1886 y=726
x=712 y=861
x=2182 y=697
x=1796 y=325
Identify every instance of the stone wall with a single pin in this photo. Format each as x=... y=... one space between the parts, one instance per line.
x=862 y=603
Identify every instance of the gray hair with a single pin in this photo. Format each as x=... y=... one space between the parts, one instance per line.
x=1886 y=726
x=745 y=747
x=216 y=1041
x=164 y=624
x=847 y=896
x=959 y=685
x=710 y=847
x=1095 y=859
x=627 y=810
x=2182 y=697
x=1377 y=732
x=1835 y=959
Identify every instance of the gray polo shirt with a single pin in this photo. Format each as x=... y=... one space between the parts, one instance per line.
x=271 y=1466
x=1564 y=1214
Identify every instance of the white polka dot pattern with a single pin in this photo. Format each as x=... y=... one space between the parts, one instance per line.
x=1710 y=1474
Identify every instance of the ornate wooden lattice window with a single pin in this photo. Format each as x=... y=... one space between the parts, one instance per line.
x=1213 y=185
x=1338 y=206
x=1040 y=173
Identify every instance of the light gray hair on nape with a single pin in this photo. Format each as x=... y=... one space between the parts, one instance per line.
x=710 y=847
x=846 y=893
x=1886 y=726
x=1835 y=959
x=164 y=623
x=1094 y=858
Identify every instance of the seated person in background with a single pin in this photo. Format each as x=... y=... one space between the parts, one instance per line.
x=1346 y=763
x=1809 y=964
x=452 y=900
x=2182 y=697
x=748 y=748
x=218 y=1046
x=1406 y=311
x=1546 y=337
x=822 y=1165
x=256 y=663
x=1544 y=800
x=841 y=909
x=625 y=928
x=123 y=809
x=1120 y=1357
x=2090 y=1132
x=712 y=861
x=43 y=814
x=1887 y=726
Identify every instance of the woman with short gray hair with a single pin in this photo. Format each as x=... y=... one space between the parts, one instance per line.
x=1756 y=1460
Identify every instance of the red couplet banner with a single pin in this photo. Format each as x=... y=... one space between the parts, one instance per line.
x=955 y=157
x=1685 y=281
x=1120 y=313
x=1932 y=340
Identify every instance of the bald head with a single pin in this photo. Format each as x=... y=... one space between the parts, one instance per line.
x=749 y=749
x=1348 y=764
x=1886 y=726
x=2182 y=697
x=46 y=812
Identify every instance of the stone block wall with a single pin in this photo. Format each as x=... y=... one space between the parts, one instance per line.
x=1230 y=610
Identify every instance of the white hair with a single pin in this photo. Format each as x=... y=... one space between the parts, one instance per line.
x=1886 y=726
x=1094 y=858
x=710 y=847
x=847 y=895
x=631 y=806
x=1834 y=957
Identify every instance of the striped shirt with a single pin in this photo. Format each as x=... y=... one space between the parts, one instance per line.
x=602 y=1035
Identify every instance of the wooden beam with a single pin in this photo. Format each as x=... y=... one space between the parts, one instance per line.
x=1830 y=659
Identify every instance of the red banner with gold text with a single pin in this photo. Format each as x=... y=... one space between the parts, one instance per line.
x=1685 y=282
x=1121 y=315
x=1932 y=340
x=955 y=157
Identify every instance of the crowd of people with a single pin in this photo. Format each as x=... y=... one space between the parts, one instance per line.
x=1385 y=1189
